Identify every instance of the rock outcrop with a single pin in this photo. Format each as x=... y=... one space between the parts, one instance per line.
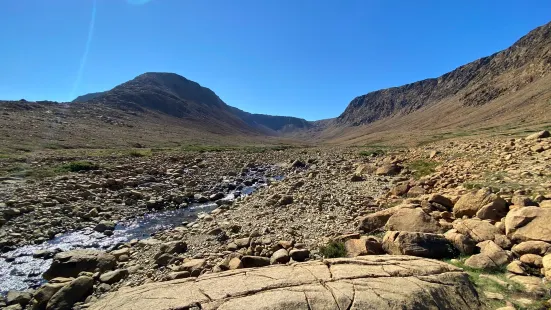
x=368 y=282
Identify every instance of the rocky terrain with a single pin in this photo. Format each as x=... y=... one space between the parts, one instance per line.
x=481 y=205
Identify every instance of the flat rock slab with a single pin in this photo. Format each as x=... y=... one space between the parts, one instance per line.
x=365 y=282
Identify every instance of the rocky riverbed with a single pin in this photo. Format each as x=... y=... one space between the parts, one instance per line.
x=480 y=203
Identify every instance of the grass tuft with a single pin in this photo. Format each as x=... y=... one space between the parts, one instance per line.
x=77 y=166
x=422 y=167
x=333 y=249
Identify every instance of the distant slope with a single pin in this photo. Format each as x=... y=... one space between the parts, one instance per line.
x=88 y=97
x=280 y=124
x=513 y=85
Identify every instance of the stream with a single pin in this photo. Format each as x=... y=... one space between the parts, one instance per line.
x=22 y=269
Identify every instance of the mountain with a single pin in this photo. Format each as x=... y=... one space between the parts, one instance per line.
x=177 y=96
x=87 y=97
x=513 y=85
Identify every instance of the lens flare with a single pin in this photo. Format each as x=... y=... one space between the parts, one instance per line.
x=86 y=50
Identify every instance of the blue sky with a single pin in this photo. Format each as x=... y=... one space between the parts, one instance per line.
x=305 y=58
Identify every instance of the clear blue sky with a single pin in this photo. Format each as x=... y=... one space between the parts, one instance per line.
x=306 y=58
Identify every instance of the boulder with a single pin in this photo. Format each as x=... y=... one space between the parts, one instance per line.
x=44 y=294
x=531 y=247
x=470 y=203
x=77 y=290
x=439 y=199
x=254 y=261
x=377 y=220
x=477 y=229
x=280 y=256
x=174 y=247
x=528 y=223
x=491 y=257
x=538 y=135
x=70 y=264
x=417 y=244
x=368 y=282
x=388 y=169
x=532 y=260
x=546 y=262
x=113 y=276
x=299 y=255
x=414 y=220
x=492 y=211
x=105 y=225
x=19 y=298
x=531 y=285
x=516 y=267
x=463 y=243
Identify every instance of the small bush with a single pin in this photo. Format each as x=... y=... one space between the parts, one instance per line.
x=333 y=249
x=77 y=166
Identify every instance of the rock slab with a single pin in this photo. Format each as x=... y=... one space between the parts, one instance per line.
x=366 y=282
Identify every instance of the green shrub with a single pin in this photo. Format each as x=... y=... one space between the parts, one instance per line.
x=77 y=166
x=141 y=153
x=333 y=249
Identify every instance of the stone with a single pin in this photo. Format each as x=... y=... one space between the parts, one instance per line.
x=546 y=262
x=178 y=275
x=44 y=294
x=105 y=225
x=437 y=198
x=528 y=223
x=491 y=257
x=77 y=290
x=470 y=203
x=531 y=284
x=378 y=220
x=174 y=247
x=400 y=189
x=492 y=211
x=477 y=229
x=299 y=255
x=532 y=260
x=254 y=261
x=17 y=297
x=538 y=135
x=163 y=259
x=368 y=282
x=194 y=266
x=531 y=247
x=280 y=256
x=285 y=200
x=417 y=244
x=242 y=243
x=113 y=276
x=516 y=268
x=388 y=169
x=414 y=220
x=416 y=191
x=70 y=264
x=356 y=178
x=235 y=263
x=464 y=244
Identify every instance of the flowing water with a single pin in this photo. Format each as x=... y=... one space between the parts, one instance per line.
x=20 y=270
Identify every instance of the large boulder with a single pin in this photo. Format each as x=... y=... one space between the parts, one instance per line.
x=70 y=264
x=477 y=229
x=44 y=294
x=414 y=220
x=470 y=203
x=378 y=220
x=532 y=247
x=528 y=223
x=365 y=245
x=491 y=256
x=367 y=282
x=538 y=135
x=417 y=244
x=77 y=290
x=463 y=243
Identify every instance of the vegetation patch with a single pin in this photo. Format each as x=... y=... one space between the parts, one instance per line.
x=333 y=249
x=139 y=153
x=77 y=166
x=422 y=167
